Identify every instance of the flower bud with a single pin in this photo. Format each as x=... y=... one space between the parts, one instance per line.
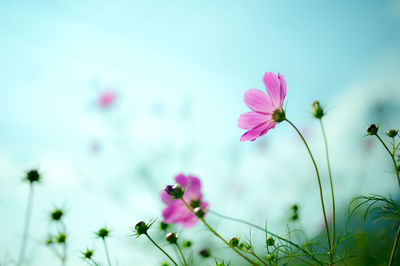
x=176 y=191
x=49 y=241
x=141 y=228
x=87 y=254
x=103 y=233
x=186 y=244
x=317 y=110
x=270 y=241
x=278 y=116
x=392 y=133
x=205 y=253
x=294 y=207
x=372 y=129
x=56 y=214
x=199 y=212
x=61 y=238
x=165 y=263
x=163 y=226
x=234 y=242
x=32 y=176
x=271 y=257
x=171 y=238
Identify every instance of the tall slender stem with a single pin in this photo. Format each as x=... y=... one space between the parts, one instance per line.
x=331 y=183
x=218 y=235
x=26 y=225
x=393 y=254
x=319 y=185
x=106 y=249
x=163 y=251
x=266 y=231
x=180 y=251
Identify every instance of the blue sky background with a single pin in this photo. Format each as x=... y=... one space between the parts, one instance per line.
x=180 y=69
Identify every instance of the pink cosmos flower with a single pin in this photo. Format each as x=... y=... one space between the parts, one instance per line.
x=106 y=99
x=266 y=109
x=176 y=211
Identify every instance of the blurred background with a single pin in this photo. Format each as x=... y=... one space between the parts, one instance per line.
x=110 y=100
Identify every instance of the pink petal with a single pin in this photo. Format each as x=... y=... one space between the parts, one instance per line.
x=182 y=180
x=273 y=86
x=283 y=88
x=252 y=119
x=258 y=101
x=165 y=197
x=258 y=131
x=193 y=190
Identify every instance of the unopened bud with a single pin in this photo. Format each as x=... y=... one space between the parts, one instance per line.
x=199 y=212
x=372 y=129
x=176 y=191
x=270 y=241
x=234 y=242
x=171 y=238
x=317 y=110
x=392 y=133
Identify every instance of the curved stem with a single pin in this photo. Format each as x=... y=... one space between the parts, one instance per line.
x=392 y=157
x=163 y=251
x=331 y=183
x=258 y=258
x=26 y=225
x=319 y=185
x=218 y=235
x=106 y=249
x=180 y=251
x=268 y=232
x=396 y=241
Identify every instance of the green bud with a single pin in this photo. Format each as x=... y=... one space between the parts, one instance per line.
x=372 y=129
x=195 y=203
x=317 y=110
x=186 y=244
x=205 y=253
x=142 y=228
x=56 y=214
x=165 y=263
x=49 y=241
x=199 y=212
x=87 y=254
x=176 y=191
x=271 y=257
x=171 y=238
x=61 y=238
x=103 y=233
x=32 y=176
x=294 y=207
x=270 y=241
x=234 y=242
x=163 y=226
x=392 y=133
x=294 y=217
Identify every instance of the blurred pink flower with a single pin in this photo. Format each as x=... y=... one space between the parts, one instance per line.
x=266 y=109
x=106 y=99
x=176 y=211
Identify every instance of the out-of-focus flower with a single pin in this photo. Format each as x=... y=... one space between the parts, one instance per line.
x=32 y=176
x=107 y=99
x=266 y=109
x=176 y=211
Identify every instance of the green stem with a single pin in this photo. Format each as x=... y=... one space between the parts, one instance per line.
x=180 y=251
x=396 y=241
x=290 y=255
x=266 y=231
x=163 y=251
x=392 y=157
x=106 y=249
x=26 y=225
x=319 y=185
x=217 y=235
x=331 y=183
x=258 y=258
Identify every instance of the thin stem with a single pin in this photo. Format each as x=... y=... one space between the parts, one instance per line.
x=180 y=251
x=331 y=183
x=306 y=262
x=64 y=257
x=257 y=257
x=95 y=263
x=163 y=251
x=266 y=231
x=393 y=159
x=106 y=249
x=319 y=185
x=396 y=241
x=26 y=225
x=217 y=235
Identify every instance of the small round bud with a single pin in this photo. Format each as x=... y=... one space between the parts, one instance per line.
x=234 y=242
x=195 y=203
x=270 y=257
x=49 y=241
x=32 y=176
x=171 y=238
x=278 y=116
x=372 y=129
x=141 y=228
x=317 y=110
x=61 y=238
x=294 y=207
x=199 y=212
x=163 y=226
x=205 y=253
x=392 y=133
x=165 y=263
x=103 y=232
x=56 y=214
x=270 y=241
x=176 y=191
x=294 y=217
x=186 y=244
x=87 y=254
